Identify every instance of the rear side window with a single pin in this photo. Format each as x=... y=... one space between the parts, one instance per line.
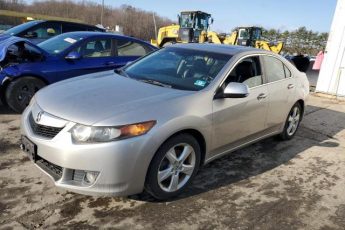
x=274 y=69
x=130 y=48
x=287 y=72
x=71 y=27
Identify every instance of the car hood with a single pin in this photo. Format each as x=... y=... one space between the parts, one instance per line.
x=94 y=98
x=8 y=40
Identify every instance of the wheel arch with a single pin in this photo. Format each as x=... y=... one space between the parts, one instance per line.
x=167 y=39
x=9 y=83
x=302 y=104
x=198 y=136
x=11 y=79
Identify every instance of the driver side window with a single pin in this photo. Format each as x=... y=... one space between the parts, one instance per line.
x=248 y=71
x=43 y=31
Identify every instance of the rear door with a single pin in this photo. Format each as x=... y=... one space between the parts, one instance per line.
x=239 y=120
x=127 y=50
x=281 y=90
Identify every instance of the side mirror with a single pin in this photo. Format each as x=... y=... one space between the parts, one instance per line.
x=212 y=20
x=234 y=90
x=73 y=56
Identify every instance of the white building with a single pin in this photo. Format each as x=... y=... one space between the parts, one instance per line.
x=332 y=73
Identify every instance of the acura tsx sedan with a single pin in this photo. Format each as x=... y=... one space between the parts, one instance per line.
x=152 y=124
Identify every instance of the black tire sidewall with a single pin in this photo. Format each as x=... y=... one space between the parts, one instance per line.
x=11 y=92
x=151 y=183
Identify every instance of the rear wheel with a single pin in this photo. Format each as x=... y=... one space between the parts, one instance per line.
x=292 y=122
x=19 y=92
x=173 y=167
x=168 y=43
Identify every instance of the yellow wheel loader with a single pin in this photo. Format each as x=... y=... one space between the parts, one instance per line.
x=194 y=26
x=245 y=36
x=251 y=36
x=191 y=25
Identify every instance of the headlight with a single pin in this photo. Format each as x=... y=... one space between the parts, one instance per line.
x=92 y=134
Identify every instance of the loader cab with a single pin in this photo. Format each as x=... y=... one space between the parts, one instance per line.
x=247 y=36
x=192 y=23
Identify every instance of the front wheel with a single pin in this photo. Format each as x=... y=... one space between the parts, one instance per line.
x=292 y=122
x=173 y=167
x=168 y=43
x=20 y=91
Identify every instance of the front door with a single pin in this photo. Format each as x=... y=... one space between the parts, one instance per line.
x=237 y=120
x=96 y=55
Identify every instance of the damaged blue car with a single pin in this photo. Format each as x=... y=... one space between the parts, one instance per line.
x=25 y=67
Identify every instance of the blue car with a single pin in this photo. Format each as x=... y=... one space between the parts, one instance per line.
x=25 y=68
x=40 y=30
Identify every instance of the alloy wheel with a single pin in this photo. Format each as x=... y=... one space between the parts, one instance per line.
x=176 y=167
x=293 y=121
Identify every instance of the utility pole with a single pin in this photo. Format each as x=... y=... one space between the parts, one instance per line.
x=154 y=22
x=102 y=12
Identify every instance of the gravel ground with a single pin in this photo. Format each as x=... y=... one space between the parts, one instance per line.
x=297 y=184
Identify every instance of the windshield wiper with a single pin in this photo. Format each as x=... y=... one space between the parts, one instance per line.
x=153 y=82
x=121 y=72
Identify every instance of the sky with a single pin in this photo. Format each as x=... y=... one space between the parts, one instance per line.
x=278 y=14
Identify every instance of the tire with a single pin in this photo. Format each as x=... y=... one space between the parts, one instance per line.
x=292 y=122
x=20 y=91
x=181 y=171
x=168 y=43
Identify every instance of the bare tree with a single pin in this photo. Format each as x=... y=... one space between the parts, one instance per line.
x=135 y=22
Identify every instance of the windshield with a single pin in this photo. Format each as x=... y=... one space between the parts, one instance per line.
x=20 y=28
x=59 y=43
x=257 y=34
x=178 y=68
x=202 y=21
x=243 y=34
x=186 y=20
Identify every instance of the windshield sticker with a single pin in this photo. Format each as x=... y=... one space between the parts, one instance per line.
x=70 y=40
x=200 y=83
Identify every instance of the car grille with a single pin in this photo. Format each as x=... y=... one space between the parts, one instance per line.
x=52 y=169
x=42 y=130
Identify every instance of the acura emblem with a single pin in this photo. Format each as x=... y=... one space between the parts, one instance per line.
x=39 y=116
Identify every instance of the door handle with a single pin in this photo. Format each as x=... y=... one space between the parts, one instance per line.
x=290 y=86
x=261 y=96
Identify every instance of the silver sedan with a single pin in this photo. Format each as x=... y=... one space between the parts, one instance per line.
x=154 y=123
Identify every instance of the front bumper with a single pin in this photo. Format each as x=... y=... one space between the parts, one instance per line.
x=121 y=165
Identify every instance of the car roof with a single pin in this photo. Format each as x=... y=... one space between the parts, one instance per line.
x=68 y=22
x=90 y=34
x=219 y=48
